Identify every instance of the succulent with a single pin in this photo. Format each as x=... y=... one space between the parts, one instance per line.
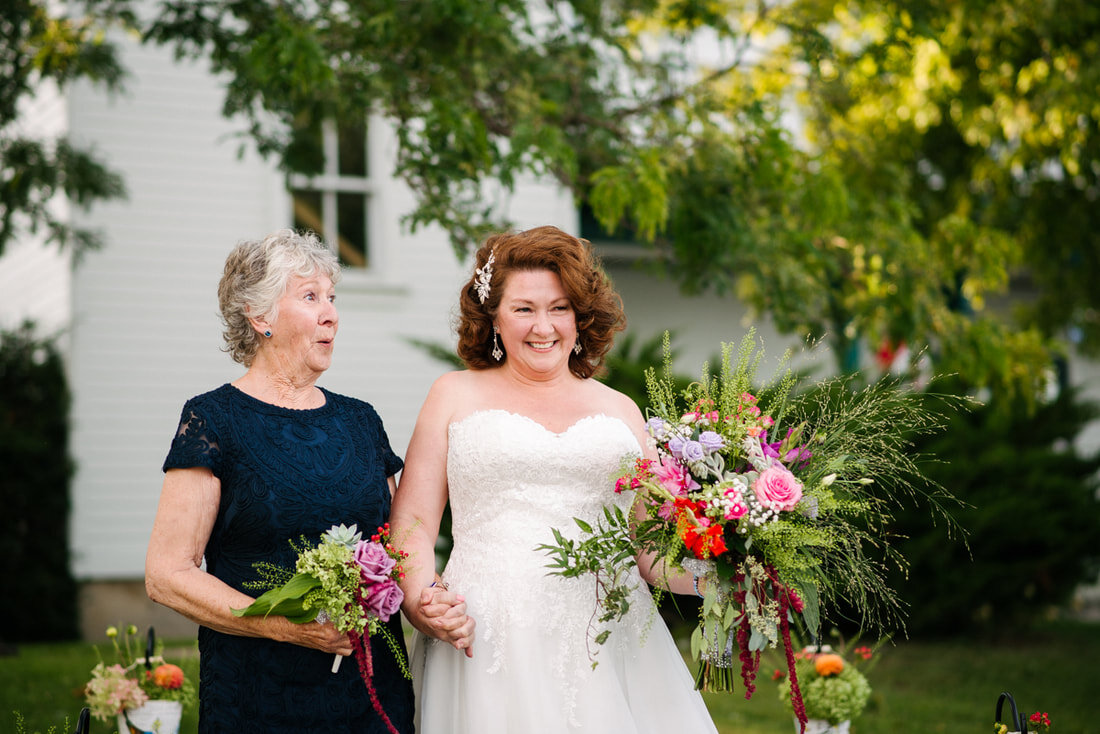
x=344 y=535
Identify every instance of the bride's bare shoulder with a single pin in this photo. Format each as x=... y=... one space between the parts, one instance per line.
x=455 y=391
x=615 y=403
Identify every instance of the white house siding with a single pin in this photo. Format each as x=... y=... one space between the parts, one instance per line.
x=145 y=331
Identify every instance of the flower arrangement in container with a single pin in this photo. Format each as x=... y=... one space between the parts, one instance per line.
x=145 y=693
x=834 y=691
x=770 y=497
x=1039 y=722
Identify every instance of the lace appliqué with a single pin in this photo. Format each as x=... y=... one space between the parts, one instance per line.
x=511 y=481
x=195 y=441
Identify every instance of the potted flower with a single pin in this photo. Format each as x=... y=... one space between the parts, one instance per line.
x=143 y=694
x=833 y=690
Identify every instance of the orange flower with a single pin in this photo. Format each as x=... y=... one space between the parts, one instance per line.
x=168 y=676
x=828 y=664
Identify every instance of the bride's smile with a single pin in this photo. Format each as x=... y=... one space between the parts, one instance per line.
x=537 y=324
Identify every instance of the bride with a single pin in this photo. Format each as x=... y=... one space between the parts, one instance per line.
x=520 y=443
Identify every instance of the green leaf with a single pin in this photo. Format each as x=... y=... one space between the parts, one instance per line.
x=283 y=601
x=757 y=641
x=811 y=610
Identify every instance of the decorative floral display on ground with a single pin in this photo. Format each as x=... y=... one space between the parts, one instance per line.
x=131 y=681
x=346 y=580
x=832 y=688
x=772 y=497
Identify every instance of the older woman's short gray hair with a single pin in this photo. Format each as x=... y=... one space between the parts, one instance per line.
x=255 y=278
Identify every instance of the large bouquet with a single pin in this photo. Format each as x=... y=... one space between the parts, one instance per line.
x=768 y=497
x=345 y=580
x=132 y=680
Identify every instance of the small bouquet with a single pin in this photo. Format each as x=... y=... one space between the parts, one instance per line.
x=770 y=501
x=132 y=681
x=345 y=580
x=1037 y=722
x=832 y=689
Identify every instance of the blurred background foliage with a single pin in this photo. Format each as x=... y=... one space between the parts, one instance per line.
x=871 y=173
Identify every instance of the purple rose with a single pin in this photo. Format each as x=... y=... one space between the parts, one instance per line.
x=676 y=446
x=375 y=564
x=693 y=451
x=656 y=428
x=383 y=599
x=711 y=441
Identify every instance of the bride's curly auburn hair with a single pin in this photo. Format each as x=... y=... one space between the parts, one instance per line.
x=597 y=307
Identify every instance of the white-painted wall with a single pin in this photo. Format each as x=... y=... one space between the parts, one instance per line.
x=145 y=330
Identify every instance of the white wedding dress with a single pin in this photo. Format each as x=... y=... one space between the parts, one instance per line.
x=511 y=480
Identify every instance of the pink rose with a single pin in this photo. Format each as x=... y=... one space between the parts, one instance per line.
x=375 y=564
x=383 y=599
x=777 y=489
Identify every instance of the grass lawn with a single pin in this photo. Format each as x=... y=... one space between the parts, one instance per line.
x=919 y=687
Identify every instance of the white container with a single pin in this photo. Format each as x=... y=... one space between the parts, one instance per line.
x=821 y=726
x=155 y=717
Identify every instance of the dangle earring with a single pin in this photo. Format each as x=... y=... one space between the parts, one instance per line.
x=577 y=347
x=497 y=351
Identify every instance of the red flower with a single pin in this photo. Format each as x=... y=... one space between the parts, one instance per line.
x=705 y=543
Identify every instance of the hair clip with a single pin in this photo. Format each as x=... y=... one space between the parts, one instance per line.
x=484 y=276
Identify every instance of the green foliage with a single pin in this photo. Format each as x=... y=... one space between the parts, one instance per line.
x=941 y=146
x=37 y=48
x=34 y=490
x=1032 y=512
x=21 y=727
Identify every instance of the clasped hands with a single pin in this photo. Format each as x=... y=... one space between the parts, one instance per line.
x=441 y=613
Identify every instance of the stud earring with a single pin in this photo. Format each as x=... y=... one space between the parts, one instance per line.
x=497 y=351
x=268 y=333
x=577 y=347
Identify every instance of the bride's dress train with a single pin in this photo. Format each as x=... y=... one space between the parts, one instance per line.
x=510 y=481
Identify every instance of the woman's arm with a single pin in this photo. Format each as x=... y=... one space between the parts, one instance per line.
x=415 y=517
x=654 y=571
x=174 y=576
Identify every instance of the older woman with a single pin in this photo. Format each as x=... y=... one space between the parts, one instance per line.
x=520 y=443
x=260 y=462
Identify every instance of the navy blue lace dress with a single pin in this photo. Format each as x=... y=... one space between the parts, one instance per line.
x=284 y=474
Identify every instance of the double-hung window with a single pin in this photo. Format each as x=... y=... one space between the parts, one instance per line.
x=334 y=199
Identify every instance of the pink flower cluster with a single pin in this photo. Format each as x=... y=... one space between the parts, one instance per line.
x=377 y=561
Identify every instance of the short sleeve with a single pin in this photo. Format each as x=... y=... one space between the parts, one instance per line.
x=195 y=443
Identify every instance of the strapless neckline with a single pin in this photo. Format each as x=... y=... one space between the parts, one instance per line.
x=527 y=419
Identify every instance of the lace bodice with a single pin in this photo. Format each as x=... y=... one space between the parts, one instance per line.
x=511 y=481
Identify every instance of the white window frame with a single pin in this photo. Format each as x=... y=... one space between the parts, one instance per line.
x=330 y=183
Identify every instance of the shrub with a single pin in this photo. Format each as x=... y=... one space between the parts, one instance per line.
x=35 y=470
x=1032 y=513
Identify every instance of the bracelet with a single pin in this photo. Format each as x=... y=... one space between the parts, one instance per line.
x=695 y=582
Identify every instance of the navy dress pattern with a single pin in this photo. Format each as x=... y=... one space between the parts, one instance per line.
x=286 y=474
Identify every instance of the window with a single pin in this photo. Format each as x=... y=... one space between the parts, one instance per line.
x=334 y=199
